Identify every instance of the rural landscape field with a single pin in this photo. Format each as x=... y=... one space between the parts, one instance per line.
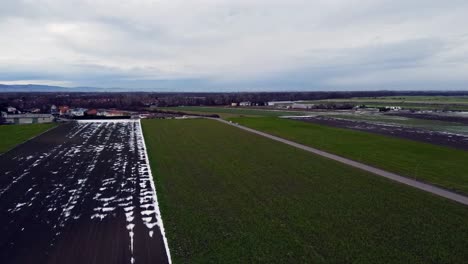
x=13 y=135
x=204 y=190
x=415 y=102
x=80 y=184
x=260 y=131
x=253 y=200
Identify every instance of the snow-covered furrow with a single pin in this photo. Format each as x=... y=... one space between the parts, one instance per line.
x=101 y=164
x=157 y=213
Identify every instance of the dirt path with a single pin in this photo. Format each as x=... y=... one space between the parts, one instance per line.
x=392 y=176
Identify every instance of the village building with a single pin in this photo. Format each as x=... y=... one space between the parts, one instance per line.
x=53 y=110
x=91 y=112
x=77 y=111
x=63 y=110
x=281 y=104
x=27 y=118
x=302 y=106
x=114 y=113
x=394 y=108
x=11 y=109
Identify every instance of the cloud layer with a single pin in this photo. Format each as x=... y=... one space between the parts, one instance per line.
x=238 y=45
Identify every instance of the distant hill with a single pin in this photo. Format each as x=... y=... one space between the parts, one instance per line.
x=36 y=88
x=49 y=88
x=285 y=95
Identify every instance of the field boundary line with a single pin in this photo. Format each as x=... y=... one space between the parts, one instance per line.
x=389 y=175
x=29 y=139
x=156 y=202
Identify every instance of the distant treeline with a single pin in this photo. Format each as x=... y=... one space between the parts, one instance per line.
x=135 y=101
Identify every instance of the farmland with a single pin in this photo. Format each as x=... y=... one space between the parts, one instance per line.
x=431 y=135
x=455 y=123
x=442 y=166
x=394 y=120
x=446 y=129
x=232 y=112
x=13 y=135
x=409 y=99
x=80 y=193
x=408 y=102
x=241 y=198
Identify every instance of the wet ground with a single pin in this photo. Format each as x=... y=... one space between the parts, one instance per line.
x=80 y=193
x=423 y=135
x=438 y=117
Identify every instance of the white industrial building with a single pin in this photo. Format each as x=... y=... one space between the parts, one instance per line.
x=26 y=118
x=281 y=104
x=302 y=106
x=77 y=111
x=11 y=109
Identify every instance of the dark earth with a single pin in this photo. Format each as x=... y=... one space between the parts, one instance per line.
x=80 y=193
x=427 y=116
x=422 y=135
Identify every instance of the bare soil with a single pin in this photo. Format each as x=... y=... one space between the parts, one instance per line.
x=79 y=193
x=422 y=135
x=462 y=120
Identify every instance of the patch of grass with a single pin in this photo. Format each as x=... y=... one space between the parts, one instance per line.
x=221 y=115
x=228 y=196
x=12 y=135
x=434 y=125
x=230 y=111
x=391 y=119
x=417 y=99
x=420 y=106
x=443 y=166
x=407 y=102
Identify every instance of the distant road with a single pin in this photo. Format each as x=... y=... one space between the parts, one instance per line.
x=392 y=176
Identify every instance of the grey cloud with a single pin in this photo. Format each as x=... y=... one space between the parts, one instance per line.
x=236 y=45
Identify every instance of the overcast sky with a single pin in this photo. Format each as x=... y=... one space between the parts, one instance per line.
x=238 y=45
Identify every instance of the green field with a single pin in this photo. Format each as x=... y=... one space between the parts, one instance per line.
x=377 y=118
x=228 y=196
x=12 y=135
x=420 y=106
x=410 y=99
x=409 y=102
x=443 y=166
x=231 y=112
